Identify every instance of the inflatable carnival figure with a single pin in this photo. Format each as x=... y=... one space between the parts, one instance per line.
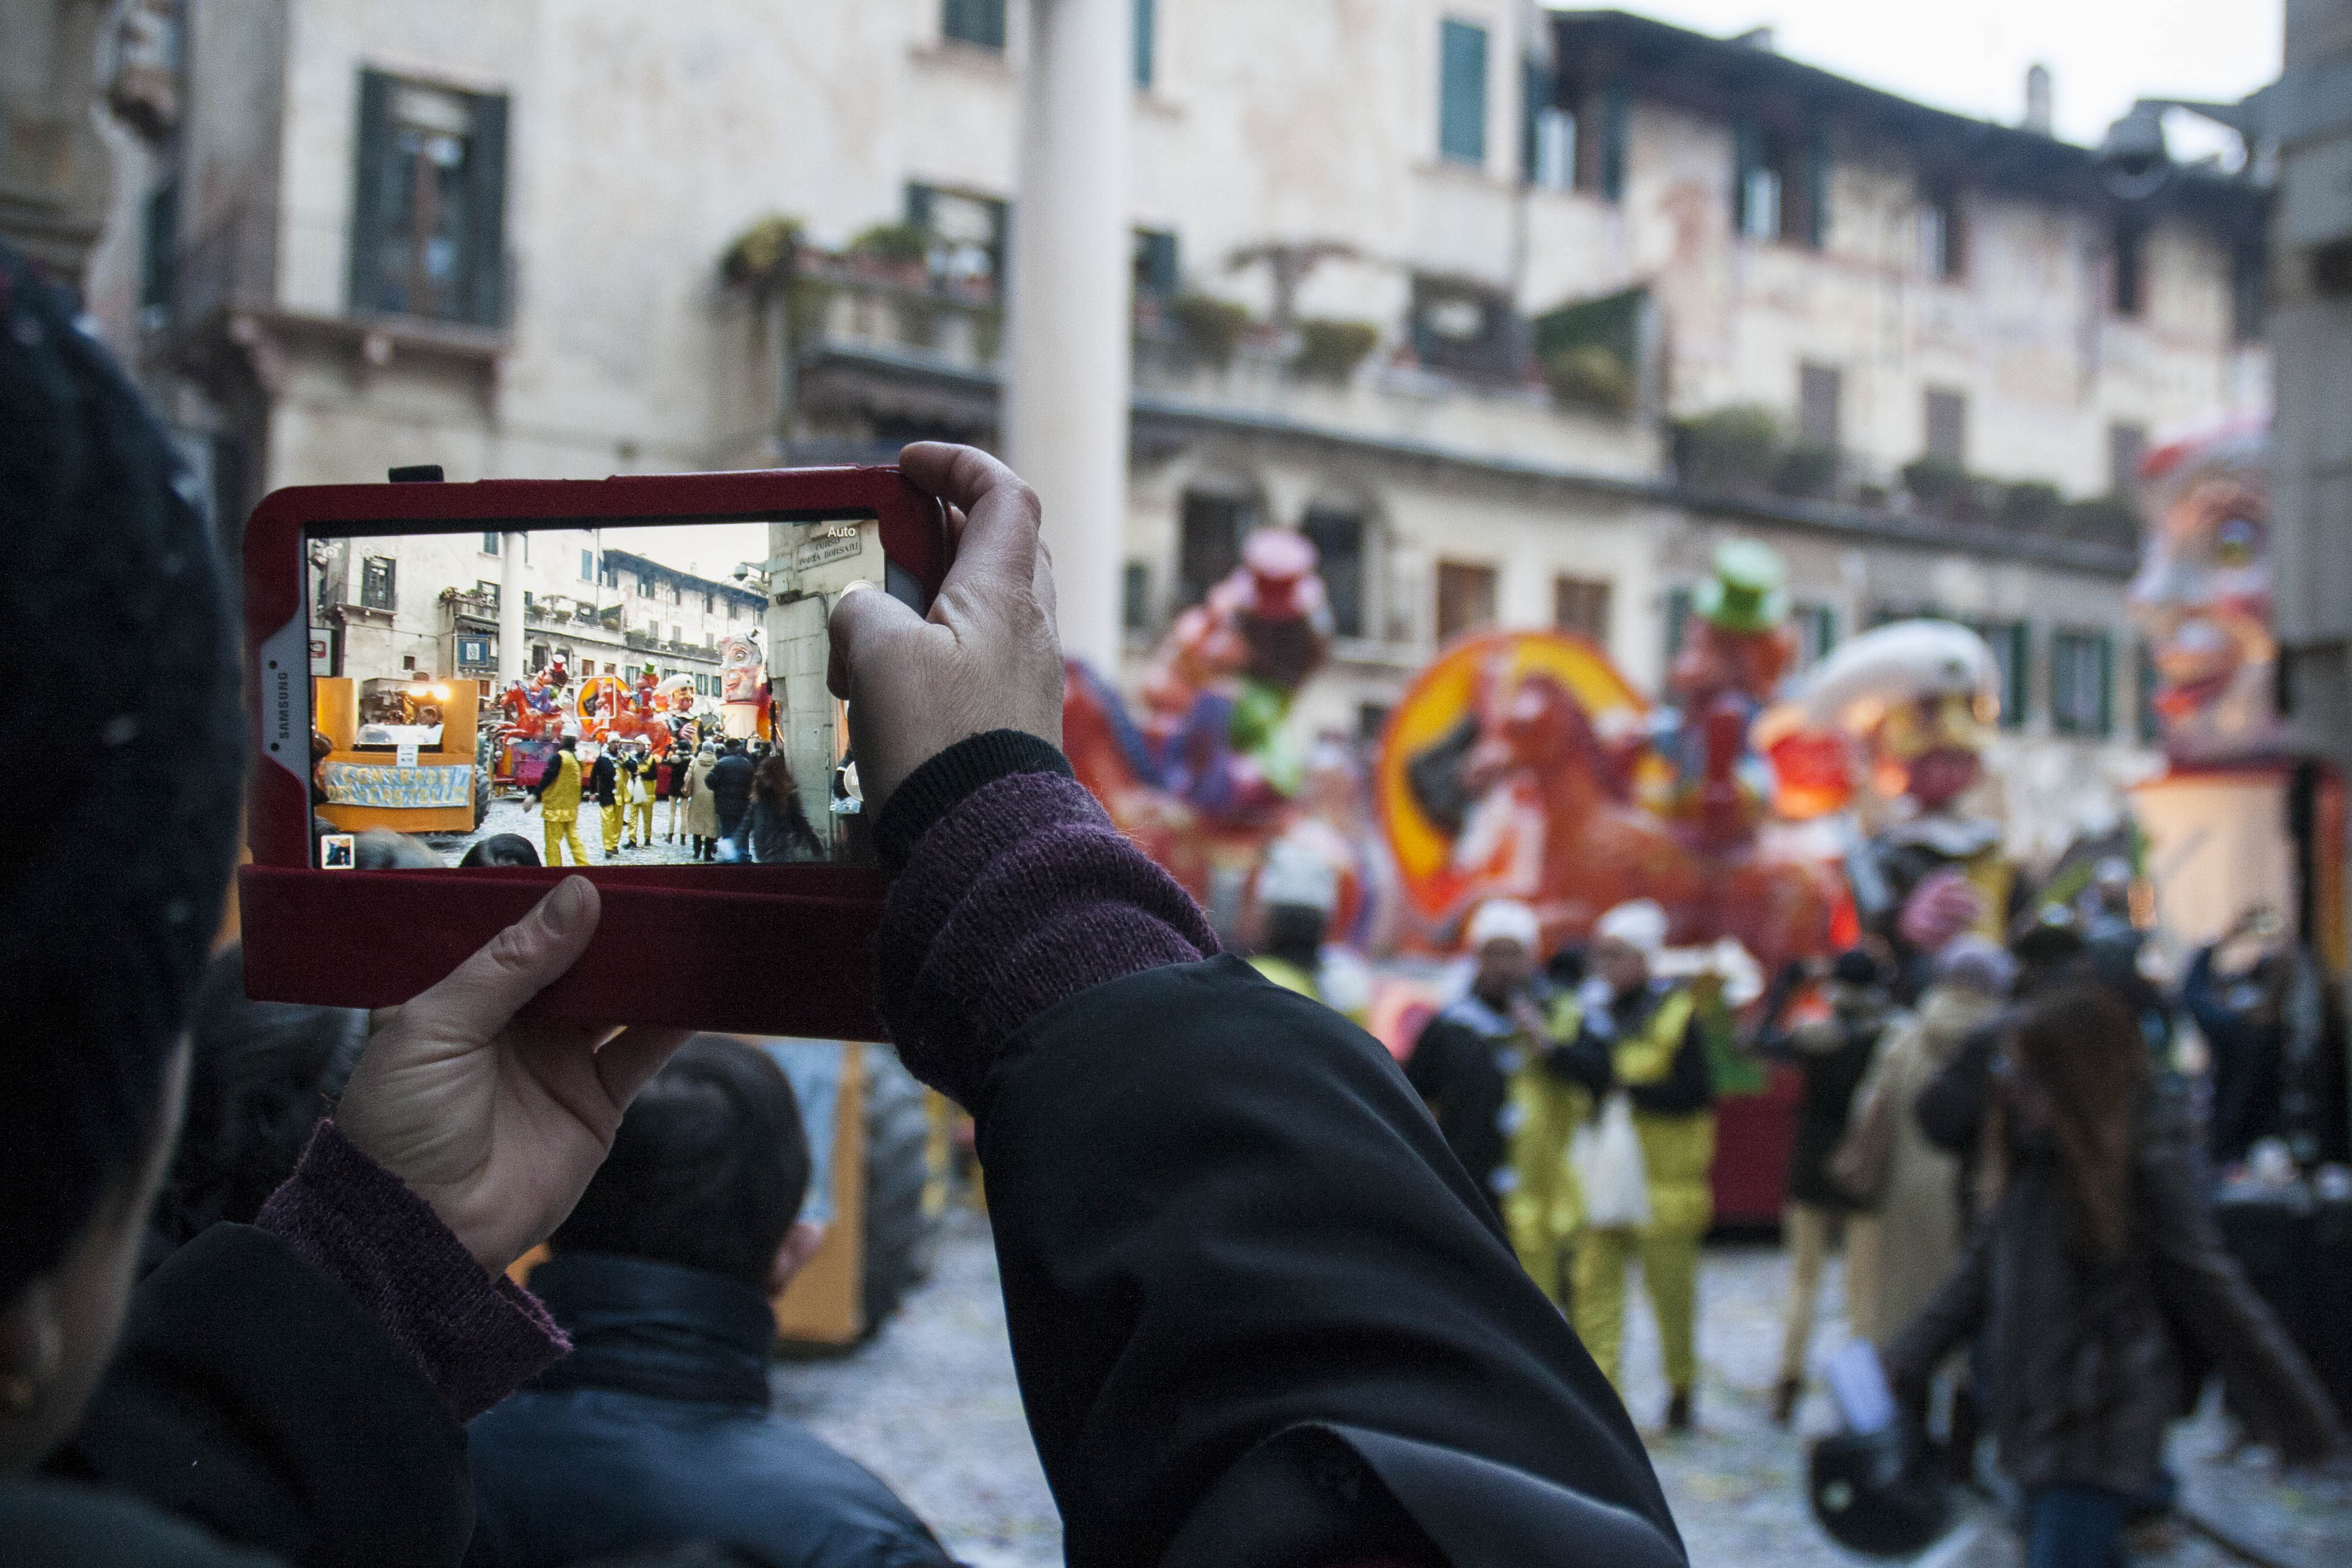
x=1736 y=648
x=745 y=703
x=2203 y=594
x=1209 y=773
x=1918 y=696
x=1515 y=767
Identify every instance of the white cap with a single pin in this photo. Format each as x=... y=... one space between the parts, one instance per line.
x=1639 y=923
x=1505 y=919
x=1294 y=874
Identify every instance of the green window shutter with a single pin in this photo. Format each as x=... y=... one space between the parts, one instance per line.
x=1747 y=155
x=1155 y=262
x=2150 y=724
x=1817 y=190
x=1616 y=111
x=919 y=205
x=2017 y=696
x=1678 y=613
x=371 y=189
x=978 y=22
x=2106 y=643
x=1145 y=18
x=1535 y=96
x=1462 y=92
x=485 y=219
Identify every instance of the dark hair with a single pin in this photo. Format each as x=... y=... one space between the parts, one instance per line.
x=109 y=891
x=1294 y=932
x=734 y=748
x=261 y=1074
x=1565 y=968
x=707 y=1169
x=1855 y=967
x=500 y=849
x=2084 y=1049
x=569 y=744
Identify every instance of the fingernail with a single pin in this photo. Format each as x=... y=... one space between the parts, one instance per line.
x=564 y=909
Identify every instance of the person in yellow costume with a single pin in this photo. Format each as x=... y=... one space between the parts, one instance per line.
x=1485 y=1066
x=558 y=793
x=1297 y=889
x=1645 y=1036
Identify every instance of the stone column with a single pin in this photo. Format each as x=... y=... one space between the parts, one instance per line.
x=513 y=637
x=1069 y=306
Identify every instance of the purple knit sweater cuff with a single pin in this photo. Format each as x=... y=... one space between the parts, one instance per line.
x=1022 y=894
x=477 y=1336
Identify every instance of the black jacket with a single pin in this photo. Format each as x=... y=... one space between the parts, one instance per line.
x=656 y=1430
x=601 y=779
x=251 y=1396
x=1260 y=1313
x=731 y=789
x=1834 y=1056
x=2088 y=1358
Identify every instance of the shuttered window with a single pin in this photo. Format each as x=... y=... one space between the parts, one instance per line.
x=1945 y=416
x=980 y=22
x=2082 y=683
x=428 y=205
x=1581 y=605
x=1462 y=92
x=1465 y=599
x=1337 y=535
x=1145 y=40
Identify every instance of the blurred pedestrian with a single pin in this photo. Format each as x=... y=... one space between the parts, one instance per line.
x=1904 y=1241
x=656 y=1429
x=385 y=849
x=260 y=1075
x=701 y=805
x=603 y=786
x=1642 y=1034
x=1297 y=889
x=730 y=791
x=558 y=794
x=637 y=788
x=669 y=785
x=1833 y=1055
x=780 y=830
x=2096 y=1259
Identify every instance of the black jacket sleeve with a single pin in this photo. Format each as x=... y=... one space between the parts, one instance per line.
x=252 y=1395
x=1689 y=1084
x=1261 y=1315
x=1950 y=1109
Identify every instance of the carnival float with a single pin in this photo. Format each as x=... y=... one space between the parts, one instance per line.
x=1526 y=765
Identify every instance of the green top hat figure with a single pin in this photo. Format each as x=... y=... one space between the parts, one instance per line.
x=1746 y=594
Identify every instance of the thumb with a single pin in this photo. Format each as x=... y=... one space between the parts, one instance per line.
x=863 y=621
x=481 y=996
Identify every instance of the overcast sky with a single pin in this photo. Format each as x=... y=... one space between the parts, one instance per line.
x=1971 y=54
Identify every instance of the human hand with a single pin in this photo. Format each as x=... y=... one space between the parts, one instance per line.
x=986 y=658
x=1940 y=908
x=498 y=1121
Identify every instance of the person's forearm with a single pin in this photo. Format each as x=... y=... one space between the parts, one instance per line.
x=1011 y=891
x=476 y=1336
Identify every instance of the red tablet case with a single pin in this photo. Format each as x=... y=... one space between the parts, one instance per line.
x=763 y=950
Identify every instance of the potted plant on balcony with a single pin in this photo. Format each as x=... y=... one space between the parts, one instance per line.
x=1330 y=351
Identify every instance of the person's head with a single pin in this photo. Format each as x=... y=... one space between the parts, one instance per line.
x=734 y=748
x=1566 y=968
x=1626 y=943
x=708 y=1171
x=1854 y=979
x=2049 y=950
x=500 y=849
x=1504 y=937
x=2069 y=1072
x=1298 y=888
x=110 y=892
x=381 y=850
x=1971 y=964
x=261 y=1074
x=570 y=744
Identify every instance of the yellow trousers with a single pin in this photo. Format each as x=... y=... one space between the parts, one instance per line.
x=560 y=831
x=1597 y=1300
x=1808 y=1231
x=612 y=815
x=641 y=820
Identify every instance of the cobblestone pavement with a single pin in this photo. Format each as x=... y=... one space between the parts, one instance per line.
x=515 y=815
x=930 y=1406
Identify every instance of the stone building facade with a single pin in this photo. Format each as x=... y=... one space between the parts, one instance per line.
x=1499 y=305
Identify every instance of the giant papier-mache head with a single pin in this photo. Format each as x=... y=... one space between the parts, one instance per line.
x=2202 y=596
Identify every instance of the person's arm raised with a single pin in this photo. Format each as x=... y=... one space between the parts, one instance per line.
x=1258 y=1310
